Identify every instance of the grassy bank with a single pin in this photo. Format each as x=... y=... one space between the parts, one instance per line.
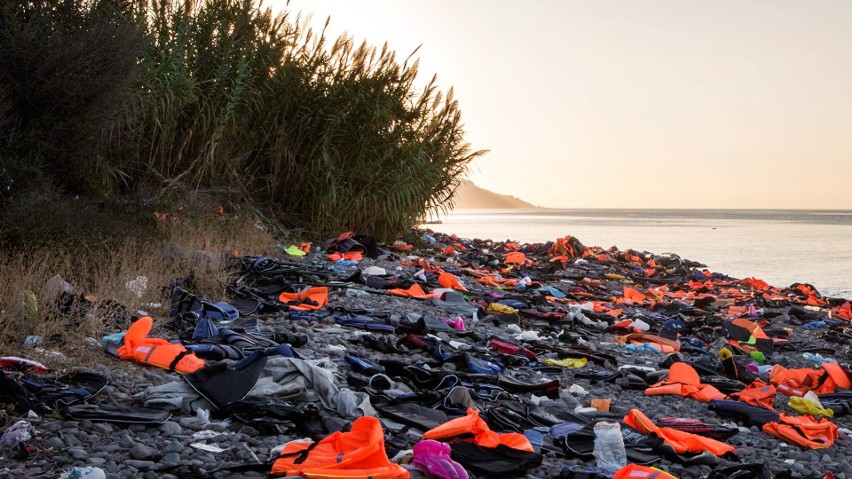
x=103 y=270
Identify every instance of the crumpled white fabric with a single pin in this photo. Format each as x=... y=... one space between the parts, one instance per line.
x=21 y=431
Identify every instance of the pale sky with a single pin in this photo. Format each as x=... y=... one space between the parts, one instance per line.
x=636 y=104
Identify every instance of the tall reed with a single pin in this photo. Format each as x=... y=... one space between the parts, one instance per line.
x=227 y=95
x=333 y=133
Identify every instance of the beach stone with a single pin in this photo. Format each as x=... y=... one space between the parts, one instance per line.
x=191 y=423
x=173 y=446
x=54 y=443
x=110 y=448
x=249 y=431
x=143 y=452
x=171 y=458
x=138 y=464
x=171 y=428
x=77 y=453
x=72 y=440
x=53 y=427
x=126 y=441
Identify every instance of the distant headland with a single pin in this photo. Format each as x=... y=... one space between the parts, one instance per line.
x=470 y=196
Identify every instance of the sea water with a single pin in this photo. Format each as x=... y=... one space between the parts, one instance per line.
x=779 y=246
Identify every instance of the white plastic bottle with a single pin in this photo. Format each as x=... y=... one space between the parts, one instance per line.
x=610 y=455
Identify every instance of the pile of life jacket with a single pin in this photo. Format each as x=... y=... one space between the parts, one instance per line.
x=359 y=453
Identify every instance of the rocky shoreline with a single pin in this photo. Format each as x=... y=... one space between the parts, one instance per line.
x=589 y=308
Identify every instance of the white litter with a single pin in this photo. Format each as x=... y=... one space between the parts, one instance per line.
x=206 y=447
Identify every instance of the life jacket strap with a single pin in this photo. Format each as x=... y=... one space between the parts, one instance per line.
x=303 y=454
x=177 y=359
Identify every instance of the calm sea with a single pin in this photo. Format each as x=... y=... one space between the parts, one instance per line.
x=778 y=246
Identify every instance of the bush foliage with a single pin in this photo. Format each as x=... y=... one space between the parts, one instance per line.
x=106 y=97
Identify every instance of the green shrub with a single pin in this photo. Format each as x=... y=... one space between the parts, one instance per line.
x=66 y=67
x=227 y=95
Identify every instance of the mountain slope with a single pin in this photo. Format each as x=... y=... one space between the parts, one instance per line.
x=469 y=196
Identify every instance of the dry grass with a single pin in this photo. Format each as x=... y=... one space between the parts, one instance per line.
x=185 y=243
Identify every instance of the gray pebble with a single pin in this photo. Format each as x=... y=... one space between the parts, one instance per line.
x=72 y=440
x=126 y=441
x=173 y=446
x=191 y=423
x=102 y=428
x=139 y=464
x=53 y=427
x=143 y=452
x=77 y=453
x=110 y=448
x=171 y=428
x=54 y=443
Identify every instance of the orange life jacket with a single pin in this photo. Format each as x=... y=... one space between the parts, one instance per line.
x=635 y=471
x=347 y=256
x=683 y=381
x=837 y=375
x=515 y=258
x=755 y=283
x=156 y=351
x=633 y=295
x=844 y=311
x=359 y=453
x=797 y=382
x=449 y=280
x=758 y=393
x=482 y=435
x=415 y=291
x=310 y=299
x=803 y=430
x=681 y=441
x=490 y=281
